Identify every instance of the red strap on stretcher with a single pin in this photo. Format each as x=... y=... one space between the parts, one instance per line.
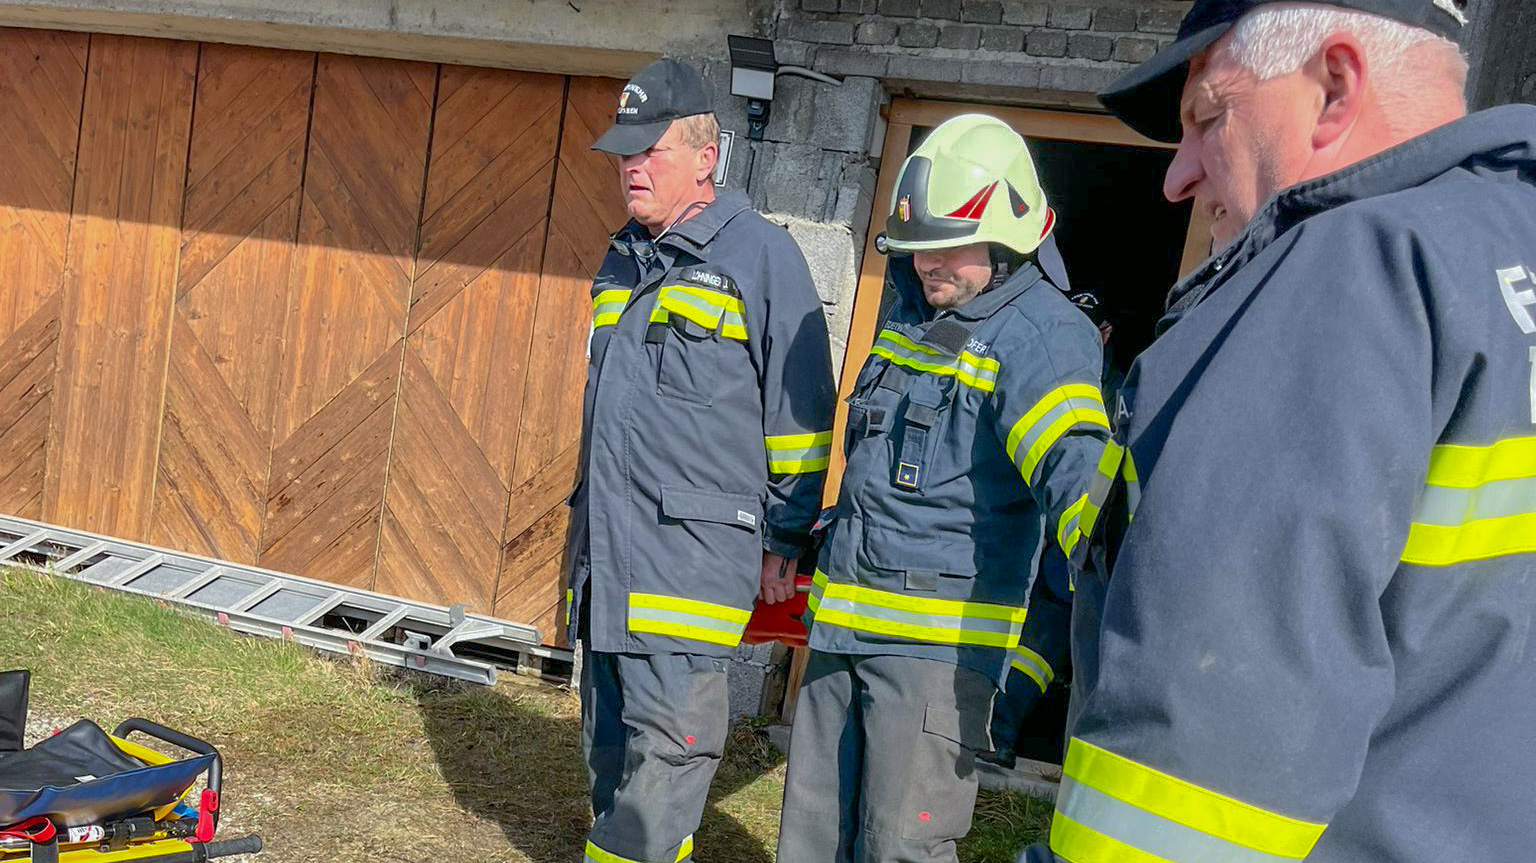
x=35 y=830
x=207 y=819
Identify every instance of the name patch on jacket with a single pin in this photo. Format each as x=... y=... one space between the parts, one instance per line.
x=718 y=281
x=746 y=518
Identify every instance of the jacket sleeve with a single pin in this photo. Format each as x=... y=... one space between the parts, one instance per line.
x=1244 y=659
x=795 y=366
x=1050 y=416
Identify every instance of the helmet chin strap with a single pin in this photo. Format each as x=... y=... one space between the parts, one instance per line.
x=1005 y=262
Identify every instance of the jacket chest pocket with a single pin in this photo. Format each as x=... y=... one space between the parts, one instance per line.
x=928 y=399
x=690 y=332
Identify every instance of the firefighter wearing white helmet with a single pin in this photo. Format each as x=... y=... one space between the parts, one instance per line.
x=974 y=429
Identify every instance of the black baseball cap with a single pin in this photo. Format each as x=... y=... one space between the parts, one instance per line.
x=1088 y=302
x=1147 y=97
x=664 y=91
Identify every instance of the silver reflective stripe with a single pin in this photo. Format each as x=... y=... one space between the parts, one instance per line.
x=799 y=453
x=1149 y=832
x=667 y=615
x=1043 y=424
x=920 y=618
x=967 y=364
x=1034 y=666
x=1444 y=505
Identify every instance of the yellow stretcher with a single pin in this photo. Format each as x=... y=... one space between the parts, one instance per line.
x=86 y=796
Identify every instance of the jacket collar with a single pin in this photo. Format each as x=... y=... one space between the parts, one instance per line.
x=1498 y=140
x=909 y=288
x=695 y=232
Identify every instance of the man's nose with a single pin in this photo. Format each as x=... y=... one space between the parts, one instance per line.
x=1184 y=171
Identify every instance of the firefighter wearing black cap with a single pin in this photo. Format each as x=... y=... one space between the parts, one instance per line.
x=973 y=430
x=705 y=441
x=1303 y=626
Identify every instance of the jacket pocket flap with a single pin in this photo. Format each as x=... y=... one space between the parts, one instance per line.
x=691 y=504
x=969 y=730
x=900 y=552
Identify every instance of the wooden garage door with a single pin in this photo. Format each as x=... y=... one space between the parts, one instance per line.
x=322 y=313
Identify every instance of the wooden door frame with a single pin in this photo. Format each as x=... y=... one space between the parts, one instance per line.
x=902 y=116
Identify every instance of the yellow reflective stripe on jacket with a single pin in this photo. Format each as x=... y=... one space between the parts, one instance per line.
x=970 y=369
x=1098 y=490
x=1034 y=666
x=594 y=854
x=1113 y=808
x=687 y=618
x=570 y=600
x=704 y=307
x=1070 y=530
x=1132 y=485
x=799 y=453
x=1479 y=502
x=1044 y=424
x=608 y=305
x=941 y=621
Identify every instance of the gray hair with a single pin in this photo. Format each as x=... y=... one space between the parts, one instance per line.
x=1277 y=38
x=699 y=130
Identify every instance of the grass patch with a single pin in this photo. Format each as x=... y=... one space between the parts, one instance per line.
x=341 y=760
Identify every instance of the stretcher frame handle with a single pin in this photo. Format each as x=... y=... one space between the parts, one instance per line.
x=177 y=738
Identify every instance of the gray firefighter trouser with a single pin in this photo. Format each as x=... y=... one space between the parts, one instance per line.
x=882 y=760
x=653 y=728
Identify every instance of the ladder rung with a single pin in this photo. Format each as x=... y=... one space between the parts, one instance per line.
x=198 y=582
x=23 y=544
x=254 y=599
x=80 y=556
x=136 y=570
x=383 y=623
x=319 y=609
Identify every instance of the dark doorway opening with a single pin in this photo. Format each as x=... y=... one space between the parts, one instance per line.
x=1120 y=237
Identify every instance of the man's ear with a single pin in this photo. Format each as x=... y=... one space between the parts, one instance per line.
x=709 y=155
x=1342 y=73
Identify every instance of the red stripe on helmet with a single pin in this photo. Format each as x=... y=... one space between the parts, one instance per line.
x=973 y=208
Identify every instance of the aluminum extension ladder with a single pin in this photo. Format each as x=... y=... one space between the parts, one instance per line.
x=325 y=616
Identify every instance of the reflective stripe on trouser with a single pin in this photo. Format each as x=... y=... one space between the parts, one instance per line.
x=595 y=854
x=968 y=368
x=653 y=729
x=687 y=618
x=1059 y=411
x=1113 y=808
x=1480 y=502
x=882 y=760
x=798 y=453
x=915 y=618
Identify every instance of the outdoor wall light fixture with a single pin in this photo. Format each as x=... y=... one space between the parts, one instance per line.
x=753 y=72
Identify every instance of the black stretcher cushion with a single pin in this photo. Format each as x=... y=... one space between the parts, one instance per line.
x=79 y=777
x=13 y=708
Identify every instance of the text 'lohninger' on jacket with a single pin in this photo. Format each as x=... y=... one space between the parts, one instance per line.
x=971 y=432
x=706 y=434
x=1320 y=520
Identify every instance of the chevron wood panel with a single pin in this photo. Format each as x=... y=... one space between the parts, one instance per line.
x=27 y=360
x=243 y=183
x=351 y=276
x=349 y=287
x=42 y=77
x=587 y=206
x=115 y=319
x=483 y=230
x=327 y=482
